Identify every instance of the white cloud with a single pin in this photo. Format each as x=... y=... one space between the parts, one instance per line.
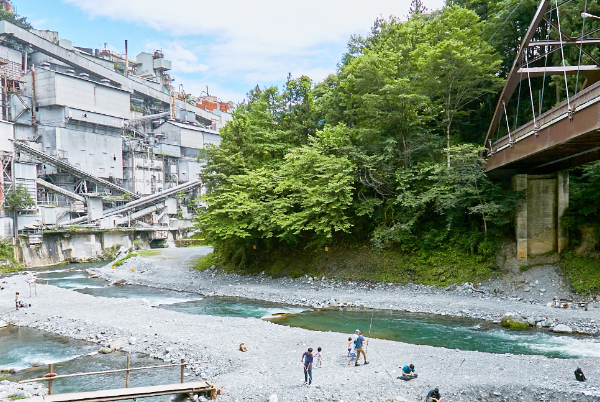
x=183 y=60
x=255 y=42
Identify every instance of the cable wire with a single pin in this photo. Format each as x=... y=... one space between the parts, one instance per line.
x=562 y=52
x=580 y=48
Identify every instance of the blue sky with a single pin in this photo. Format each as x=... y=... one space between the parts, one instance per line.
x=228 y=46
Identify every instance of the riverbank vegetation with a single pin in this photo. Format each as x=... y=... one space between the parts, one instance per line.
x=362 y=262
x=379 y=157
x=7 y=257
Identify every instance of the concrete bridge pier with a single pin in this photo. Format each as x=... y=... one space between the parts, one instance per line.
x=537 y=225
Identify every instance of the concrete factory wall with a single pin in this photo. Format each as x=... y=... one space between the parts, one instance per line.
x=74 y=247
x=6 y=135
x=97 y=154
x=54 y=88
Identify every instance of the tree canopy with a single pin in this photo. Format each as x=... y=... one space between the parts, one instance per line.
x=15 y=19
x=375 y=152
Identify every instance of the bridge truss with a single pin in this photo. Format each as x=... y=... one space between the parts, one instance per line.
x=567 y=134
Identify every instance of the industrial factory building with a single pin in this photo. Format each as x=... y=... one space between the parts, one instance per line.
x=104 y=145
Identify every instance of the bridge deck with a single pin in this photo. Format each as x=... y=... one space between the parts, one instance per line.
x=562 y=141
x=137 y=392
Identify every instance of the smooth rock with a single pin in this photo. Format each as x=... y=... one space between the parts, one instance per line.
x=114 y=345
x=562 y=329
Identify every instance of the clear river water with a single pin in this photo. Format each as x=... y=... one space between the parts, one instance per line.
x=20 y=348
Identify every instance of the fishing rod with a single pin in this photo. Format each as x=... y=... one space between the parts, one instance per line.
x=370 y=325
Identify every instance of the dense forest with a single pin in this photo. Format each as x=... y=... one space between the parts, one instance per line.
x=385 y=153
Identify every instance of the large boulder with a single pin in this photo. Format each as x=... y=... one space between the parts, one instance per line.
x=562 y=329
x=514 y=322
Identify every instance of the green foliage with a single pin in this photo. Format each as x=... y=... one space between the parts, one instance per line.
x=583 y=272
x=371 y=155
x=455 y=66
x=122 y=260
x=204 y=263
x=18 y=198
x=14 y=397
x=7 y=259
x=361 y=262
x=147 y=253
x=509 y=322
x=13 y=18
x=584 y=204
x=140 y=109
x=138 y=244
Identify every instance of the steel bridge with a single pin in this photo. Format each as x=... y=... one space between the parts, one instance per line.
x=564 y=136
x=534 y=155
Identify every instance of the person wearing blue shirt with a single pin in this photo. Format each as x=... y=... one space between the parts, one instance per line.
x=307 y=359
x=408 y=373
x=359 y=348
x=433 y=396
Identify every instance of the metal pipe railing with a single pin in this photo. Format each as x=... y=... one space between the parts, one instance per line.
x=51 y=376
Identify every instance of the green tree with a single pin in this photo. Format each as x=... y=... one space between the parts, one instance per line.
x=416 y=7
x=365 y=152
x=456 y=66
x=16 y=200
x=15 y=19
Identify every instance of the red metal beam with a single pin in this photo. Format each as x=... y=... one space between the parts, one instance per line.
x=513 y=80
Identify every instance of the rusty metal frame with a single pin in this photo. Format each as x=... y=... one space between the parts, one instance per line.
x=515 y=74
x=556 y=130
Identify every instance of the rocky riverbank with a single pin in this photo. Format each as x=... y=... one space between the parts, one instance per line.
x=271 y=366
x=489 y=301
x=10 y=391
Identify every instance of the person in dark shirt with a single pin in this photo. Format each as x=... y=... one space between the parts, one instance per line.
x=433 y=396
x=307 y=359
x=408 y=372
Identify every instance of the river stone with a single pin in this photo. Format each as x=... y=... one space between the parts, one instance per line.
x=531 y=321
x=273 y=398
x=514 y=322
x=21 y=394
x=105 y=351
x=562 y=329
x=114 y=345
x=526 y=289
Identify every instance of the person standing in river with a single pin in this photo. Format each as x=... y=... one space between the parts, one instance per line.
x=307 y=359
x=359 y=348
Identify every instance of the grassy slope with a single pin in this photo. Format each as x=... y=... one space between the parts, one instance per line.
x=360 y=262
x=582 y=272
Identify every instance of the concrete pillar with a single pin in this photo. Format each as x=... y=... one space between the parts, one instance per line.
x=519 y=183
x=562 y=186
x=542 y=219
x=537 y=225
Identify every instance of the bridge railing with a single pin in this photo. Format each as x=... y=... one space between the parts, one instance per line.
x=582 y=99
x=50 y=377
